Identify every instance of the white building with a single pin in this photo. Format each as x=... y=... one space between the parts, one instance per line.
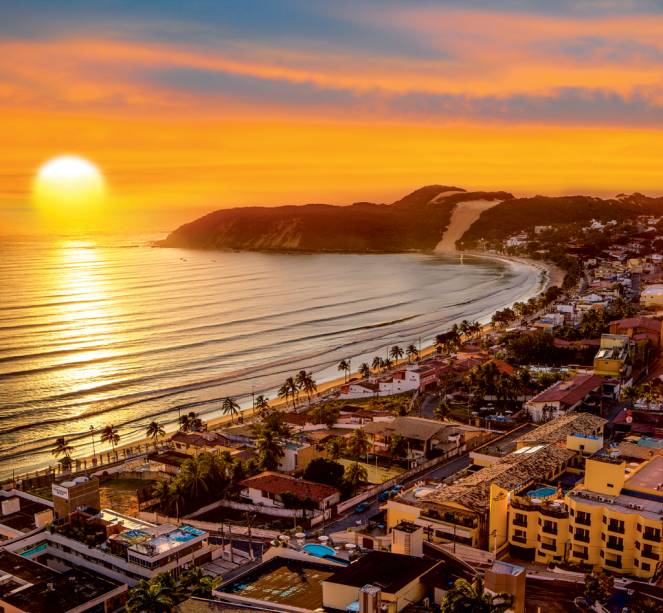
x=652 y=295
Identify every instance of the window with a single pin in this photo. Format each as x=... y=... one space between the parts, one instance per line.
x=645 y=566
x=520 y=520
x=610 y=485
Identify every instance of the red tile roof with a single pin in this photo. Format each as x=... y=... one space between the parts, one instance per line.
x=638 y=322
x=570 y=392
x=278 y=483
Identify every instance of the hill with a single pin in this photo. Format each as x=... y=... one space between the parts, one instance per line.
x=413 y=223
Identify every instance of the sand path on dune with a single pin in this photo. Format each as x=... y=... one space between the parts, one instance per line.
x=462 y=217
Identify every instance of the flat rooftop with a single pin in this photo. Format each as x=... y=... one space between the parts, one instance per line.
x=24 y=519
x=649 y=477
x=163 y=543
x=286 y=582
x=389 y=571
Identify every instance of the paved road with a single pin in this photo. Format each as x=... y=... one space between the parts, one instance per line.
x=350 y=519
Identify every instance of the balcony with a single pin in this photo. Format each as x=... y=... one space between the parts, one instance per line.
x=550 y=528
x=549 y=546
x=581 y=555
x=522 y=523
x=583 y=520
x=519 y=539
x=652 y=535
x=613 y=527
x=647 y=553
x=614 y=563
x=583 y=538
x=615 y=545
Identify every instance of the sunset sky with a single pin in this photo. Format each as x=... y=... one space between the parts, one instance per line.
x=192 y=106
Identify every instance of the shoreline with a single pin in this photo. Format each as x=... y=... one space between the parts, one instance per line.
x=552 y=273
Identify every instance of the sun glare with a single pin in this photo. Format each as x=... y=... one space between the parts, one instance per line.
x=69 y=189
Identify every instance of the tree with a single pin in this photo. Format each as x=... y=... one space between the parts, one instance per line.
x=289 y=389
x=193 y=474
x=412 y=352
x=325 y=471
x=387 y=364
x=358 y=443
x=344 y=367
x=109 y=434
x=306 y=383
x=599 y=586
x=398 y=446
x=155 y=431
x=335 y=447
x=62 y=448
x=150 y=597
x=65 y=463
x=441 y=410
x=177 y=494
x=269 y=448
x=325 y=414
x=396 y=352
x=355 y=475
x=365 y=371
x=205 y=587
x=190 y=422
x=376 y=364
x=230 y=407
x=261 y=404
x=466 y=597
x=630 y=394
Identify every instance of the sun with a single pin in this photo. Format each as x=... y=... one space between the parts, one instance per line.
x=69 y=188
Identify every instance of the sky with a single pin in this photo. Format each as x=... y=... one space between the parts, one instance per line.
x=188 y=107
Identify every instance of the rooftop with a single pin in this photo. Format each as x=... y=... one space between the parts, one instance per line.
x=649 y=476
x=570 y=392
x=623 y=502
x=416 y=428
x=22 y=520
x=203 y=439
x=279 y=483
x=51 y=591
x=638 y=322
x=556 y=431
x=388 y=571
x=290 y=582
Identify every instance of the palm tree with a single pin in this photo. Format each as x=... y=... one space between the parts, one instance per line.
x=411 y=352
x=161 y=491
x=344 y=366
x=358 y=443
x=376 y=364
x=441 y=410
x=62 y=448
x=396 y=352
x=270 y=449
x=150 y=597
x=190 y=422
x=261 y=404
x=365 y=370
x=193 y=473
x=630 y=394
x=178 y=495
x=110 y=435
x=230 y=407
x=355 y=475
x=335 y=447
x=289 y=389
x=154 y=431
x=205 y=586
x=306 y=382
x=284 y=392
x=466 y=597
x=387 y=364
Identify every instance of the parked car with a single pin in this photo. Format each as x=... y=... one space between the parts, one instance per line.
x=361 y=507
x=396 y=489
x=384 y=496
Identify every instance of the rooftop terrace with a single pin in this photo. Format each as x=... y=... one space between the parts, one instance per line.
x=288 y=582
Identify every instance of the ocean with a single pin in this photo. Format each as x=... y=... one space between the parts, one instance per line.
x=101 y=330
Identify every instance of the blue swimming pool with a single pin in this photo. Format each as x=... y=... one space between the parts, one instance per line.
x=542 y=492
x=319 y=551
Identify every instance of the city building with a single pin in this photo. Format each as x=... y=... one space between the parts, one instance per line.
x=422 y=437
x=464 y=510
x=79 y=493
x=613 y=357
x=563 y=396
x=29 y=587
x=22 y=514
x=118 y=546
x=652 y=296
x=271 y=488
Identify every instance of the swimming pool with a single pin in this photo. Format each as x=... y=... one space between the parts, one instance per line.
x=542 y=492
x=319 y=551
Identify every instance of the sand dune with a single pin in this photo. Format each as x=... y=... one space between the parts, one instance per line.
x=462 y=217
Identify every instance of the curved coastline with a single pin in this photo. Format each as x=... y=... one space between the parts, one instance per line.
x=535 y=284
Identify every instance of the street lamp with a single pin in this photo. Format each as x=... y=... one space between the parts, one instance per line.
x=94 y=453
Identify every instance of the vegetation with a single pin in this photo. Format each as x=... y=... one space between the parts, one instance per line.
x=163 y=592
x=63 y=450
x=325 y=414
x=306 y=383
x=466 y=597
x=355 y=476
x=261 y=405
x=289 y=389
x=599 y=586
x=155 y=431
x=325 y=471
x=357 y=444
x=230 y=407
x=344 y=367
x=190 y=422
x=110 y=434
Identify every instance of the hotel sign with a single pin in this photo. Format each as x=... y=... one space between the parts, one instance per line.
x=60 y=492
